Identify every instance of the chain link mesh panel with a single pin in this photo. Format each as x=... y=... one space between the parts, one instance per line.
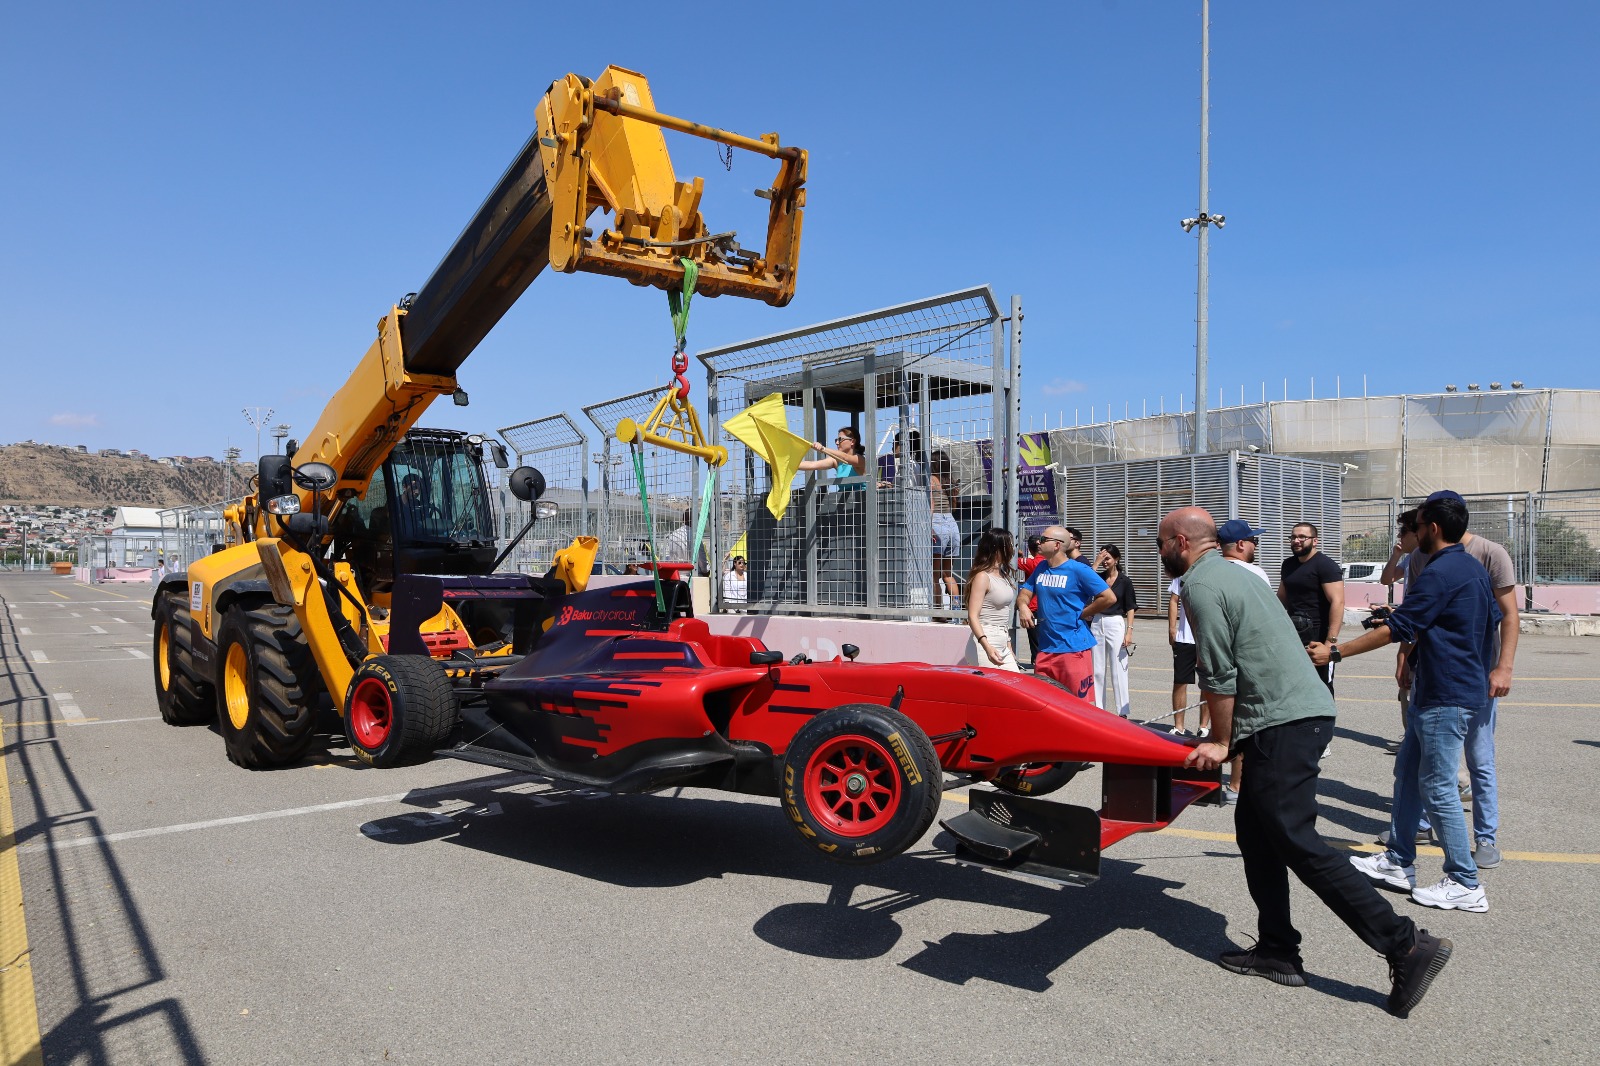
x=673 y=483
x=1122 y=503
x=1566 y=538
x=923 y=386
x=558 y=449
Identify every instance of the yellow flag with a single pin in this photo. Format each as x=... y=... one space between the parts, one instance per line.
x=763 y=427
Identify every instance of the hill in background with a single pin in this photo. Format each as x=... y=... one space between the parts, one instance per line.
x=52 y=475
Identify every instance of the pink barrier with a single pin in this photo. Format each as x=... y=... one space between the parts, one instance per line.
x=1567 y=599
x=121 y=574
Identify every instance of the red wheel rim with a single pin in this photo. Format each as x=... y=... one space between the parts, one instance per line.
x=852 y=786
x=371 y=713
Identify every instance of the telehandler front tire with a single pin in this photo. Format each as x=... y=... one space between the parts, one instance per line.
x=399 y=708
x=181 y=696
x=268 y=691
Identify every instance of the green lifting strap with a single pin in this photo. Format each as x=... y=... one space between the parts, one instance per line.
x=649 y=526
x=706 y=496
x=679 y=302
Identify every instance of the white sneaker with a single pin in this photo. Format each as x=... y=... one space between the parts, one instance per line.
x=1205 y=731
x=1386 y=871
x=1450 y=896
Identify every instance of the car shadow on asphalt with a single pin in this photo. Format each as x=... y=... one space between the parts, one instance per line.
x=662 y=841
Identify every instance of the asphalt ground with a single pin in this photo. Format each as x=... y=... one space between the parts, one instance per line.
x=181 y=910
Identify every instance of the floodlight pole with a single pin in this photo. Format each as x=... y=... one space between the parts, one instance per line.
x=1201 y=442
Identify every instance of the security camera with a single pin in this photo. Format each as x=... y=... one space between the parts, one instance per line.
x=1220 y=220
x=1252 y=448
x=1189 y=224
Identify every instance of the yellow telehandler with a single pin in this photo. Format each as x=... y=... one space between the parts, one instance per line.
x=364 y=557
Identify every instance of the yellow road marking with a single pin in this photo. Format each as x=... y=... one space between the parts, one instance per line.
x=105 y=592
x=19 y=1010
x=1351 y=845
x=63 y=595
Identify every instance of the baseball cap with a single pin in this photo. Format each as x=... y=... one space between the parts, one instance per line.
x=1445 y=494
x=1236 y=529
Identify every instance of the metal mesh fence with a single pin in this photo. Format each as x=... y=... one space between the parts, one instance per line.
x=558 y=449
x=672 y=481
x=1369 y=529
x=922 y=386
x=1122 y=503
x=1566 y=538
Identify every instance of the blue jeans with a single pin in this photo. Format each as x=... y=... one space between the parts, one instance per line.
x=1425 y=779
x=1480 y=768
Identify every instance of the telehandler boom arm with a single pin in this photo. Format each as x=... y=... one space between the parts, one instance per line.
x=598 y=147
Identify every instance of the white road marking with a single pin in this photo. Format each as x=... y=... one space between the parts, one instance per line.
x=264 y=816
x=119 y=618
x=68 y=708
x=136 y=653
x=76 y=614
x=114 y=721
x=39 y=656
x=94 y=608
x=97 y=629
x=24 y=631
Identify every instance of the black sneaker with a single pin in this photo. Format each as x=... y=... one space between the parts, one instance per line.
x=1414 y=971
x=1281 y=971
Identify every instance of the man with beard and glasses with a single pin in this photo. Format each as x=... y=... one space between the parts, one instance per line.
x=1268 y=703
x=1311 y=586
x=1067 y=594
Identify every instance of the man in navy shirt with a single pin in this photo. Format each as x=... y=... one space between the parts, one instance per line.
x=1068 y=593
x=1450 y=618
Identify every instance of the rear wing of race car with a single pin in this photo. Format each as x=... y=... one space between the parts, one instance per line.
x=1063 y=841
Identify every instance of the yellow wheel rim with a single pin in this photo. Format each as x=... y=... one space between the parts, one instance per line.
x=163 y=660
x=236 y=686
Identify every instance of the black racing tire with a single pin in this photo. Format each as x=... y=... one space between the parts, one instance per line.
x=268 y=687
x=861 y=783
x=1038 y=778
x=399 y=708
x=181 y=696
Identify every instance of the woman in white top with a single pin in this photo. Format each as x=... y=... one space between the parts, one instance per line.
x=991 y=597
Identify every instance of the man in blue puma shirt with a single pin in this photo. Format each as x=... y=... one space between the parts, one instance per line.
x=1068 y=593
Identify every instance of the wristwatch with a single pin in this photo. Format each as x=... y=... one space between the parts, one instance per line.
x=1334 y=654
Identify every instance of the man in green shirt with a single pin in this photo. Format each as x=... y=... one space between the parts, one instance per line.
x=1268 y=704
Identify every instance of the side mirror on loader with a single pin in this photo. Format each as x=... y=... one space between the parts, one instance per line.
x=527 y=484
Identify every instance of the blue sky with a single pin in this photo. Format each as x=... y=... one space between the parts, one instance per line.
x=208 y=207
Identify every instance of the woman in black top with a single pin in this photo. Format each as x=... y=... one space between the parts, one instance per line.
x=1113 y=633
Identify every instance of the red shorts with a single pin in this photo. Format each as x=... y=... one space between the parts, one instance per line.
x=1074 y=669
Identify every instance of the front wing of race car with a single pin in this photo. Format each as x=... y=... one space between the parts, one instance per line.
x=1063 y=841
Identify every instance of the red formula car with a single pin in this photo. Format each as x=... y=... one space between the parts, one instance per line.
x=615 y=694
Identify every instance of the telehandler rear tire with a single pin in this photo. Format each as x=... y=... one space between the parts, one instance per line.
x=399 y=708
x=268 y=687
x=181 y=696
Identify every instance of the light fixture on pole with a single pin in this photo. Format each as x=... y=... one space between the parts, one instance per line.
x=229 y=457
x=279 y=431
x=258 y=417
x=1203 y=221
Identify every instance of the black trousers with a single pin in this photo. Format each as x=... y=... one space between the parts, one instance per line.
x=1276 y=821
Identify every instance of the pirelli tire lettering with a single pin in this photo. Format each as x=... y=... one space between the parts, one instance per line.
x=399 y=708
x=861 y=783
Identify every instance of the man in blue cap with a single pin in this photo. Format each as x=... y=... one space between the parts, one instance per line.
x=1450 y=618
x=1238 y=540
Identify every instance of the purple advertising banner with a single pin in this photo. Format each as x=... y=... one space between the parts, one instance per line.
x=1036 y=483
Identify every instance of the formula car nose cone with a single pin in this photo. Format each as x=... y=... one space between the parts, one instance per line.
x=855 y=784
